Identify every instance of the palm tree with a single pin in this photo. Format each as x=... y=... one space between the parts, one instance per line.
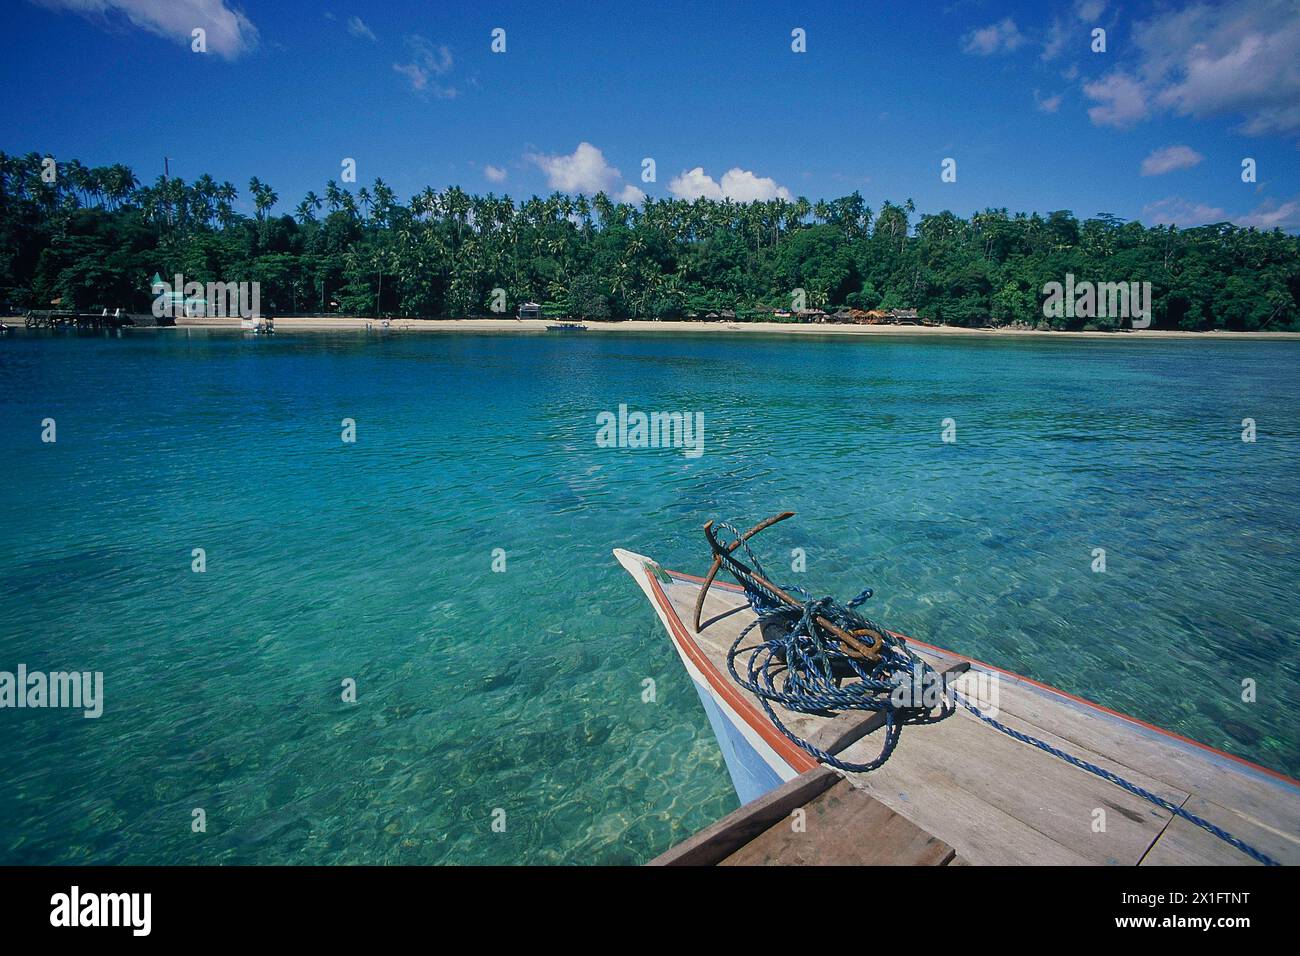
x=333 y=196
x=120 y=184
x=384 y=199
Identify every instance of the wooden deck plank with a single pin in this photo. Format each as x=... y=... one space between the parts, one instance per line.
x=1185 y=767
x=1184 y=843
x=843 y=730
x=844 y=827
x=980 y=833
x=1047 y=735
x=714 y=843
x=962 y=754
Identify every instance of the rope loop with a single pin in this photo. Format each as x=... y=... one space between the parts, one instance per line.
x=800 y=663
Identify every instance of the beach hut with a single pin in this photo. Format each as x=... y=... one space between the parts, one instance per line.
x=175 y=302
x=530 y=310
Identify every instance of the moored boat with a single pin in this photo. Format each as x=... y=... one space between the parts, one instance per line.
x=1040 y=777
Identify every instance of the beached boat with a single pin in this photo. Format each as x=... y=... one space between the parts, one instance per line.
x=1053 y=779
x=566 y=327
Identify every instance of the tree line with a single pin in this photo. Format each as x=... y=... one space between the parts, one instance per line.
x=92 y=237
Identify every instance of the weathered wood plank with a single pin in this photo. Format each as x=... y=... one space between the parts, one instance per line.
x=842 y=730
x=839 y=732
x=714 y=843
x=1047 y=796
x=1184 y=767
x=1184 y=843
x=844 y=827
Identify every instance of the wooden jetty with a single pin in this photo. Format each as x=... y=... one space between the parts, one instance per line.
x=66 y=319
x=958 y=791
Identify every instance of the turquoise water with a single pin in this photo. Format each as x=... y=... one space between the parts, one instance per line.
x=522 y=690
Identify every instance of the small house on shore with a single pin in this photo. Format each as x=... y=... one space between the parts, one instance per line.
x=530 y=310
x=174 y=302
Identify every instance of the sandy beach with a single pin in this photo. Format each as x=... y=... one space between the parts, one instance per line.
x=346 y=323
x=359 y=323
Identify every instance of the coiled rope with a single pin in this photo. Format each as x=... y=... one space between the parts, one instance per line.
x=800 y=663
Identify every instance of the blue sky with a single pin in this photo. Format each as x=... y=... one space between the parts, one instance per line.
x=1155 y=128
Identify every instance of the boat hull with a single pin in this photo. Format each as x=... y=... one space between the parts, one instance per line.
x=995 y=798
x=758 y=757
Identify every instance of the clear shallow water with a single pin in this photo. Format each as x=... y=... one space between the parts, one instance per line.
x=522 y=690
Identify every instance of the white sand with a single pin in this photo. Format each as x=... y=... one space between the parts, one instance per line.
x=353 y=323
x=343 y=323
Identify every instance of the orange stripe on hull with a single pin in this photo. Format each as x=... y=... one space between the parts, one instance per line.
x=798 y=759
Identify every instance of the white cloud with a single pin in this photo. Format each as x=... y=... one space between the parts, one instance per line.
x=230 y=34
x=494 y=173
x=1047 y=104
x=1063 y=31
x=1001 y=37
x=1183 y=213
x=427 y=62
x=1122 y=100
x=695 y=185
x=738 y=185
x=582 y=171
x=1170 y=158
x=1087 y=10
x=1235 y=59
x=357 y=27
x=631 y=194
x=1057 y=36
x=1271 y=215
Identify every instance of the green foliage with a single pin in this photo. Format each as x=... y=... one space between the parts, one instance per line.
x=96 y=235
